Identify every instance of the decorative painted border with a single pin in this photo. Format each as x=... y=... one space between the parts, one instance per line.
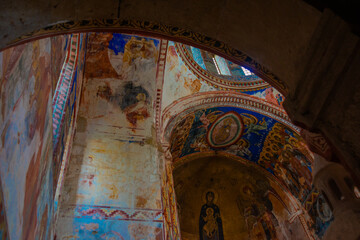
x=113 y=213
x=216 y=81
x=174 y=112
x=163 y=31
x=63 y=87
x=159 y=84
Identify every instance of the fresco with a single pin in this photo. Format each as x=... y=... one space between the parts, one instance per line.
x=3 y=222
x=26 y=167
x=223 y=198
x=255 y=137
x=218 y=71
x=218 y=65
x=59 y=45
x=171 y=221
x=321 y=215
x=270 y=95
x=179 y=81
x=112 y=187
x=210 y=224
x=66 y=98
x=65 y=106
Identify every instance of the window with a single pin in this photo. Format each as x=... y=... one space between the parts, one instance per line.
x=246 y=72
x=221 y=66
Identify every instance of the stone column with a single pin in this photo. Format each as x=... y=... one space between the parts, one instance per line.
x=338 y=188
x=327 y=97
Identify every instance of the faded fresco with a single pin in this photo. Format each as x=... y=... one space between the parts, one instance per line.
x=26 y=139
x=321 y=215
x=66 y=97
x=270 y=95
x=112 y=187
x=81 y=114
x=179 y=81
x=59 y=45
x=3 y=223
x=235 y=200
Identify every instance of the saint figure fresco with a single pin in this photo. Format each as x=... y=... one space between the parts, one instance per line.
x=210 y=224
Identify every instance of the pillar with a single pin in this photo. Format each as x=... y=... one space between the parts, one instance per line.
x=337 y=186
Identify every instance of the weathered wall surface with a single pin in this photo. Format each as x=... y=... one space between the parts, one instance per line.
x=180 y=81
x=266 y=31
x=58 y=52
x=26 y=139
x=65 y=107
x=3 y=223
x=67 y=97
x=112 y=187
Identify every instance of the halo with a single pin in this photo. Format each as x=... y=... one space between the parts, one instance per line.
x=216 y=195
x=250 y=186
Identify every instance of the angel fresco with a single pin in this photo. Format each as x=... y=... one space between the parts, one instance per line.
x=285 y=155
x=253 y=125
x=210 y=224
x=241 y=148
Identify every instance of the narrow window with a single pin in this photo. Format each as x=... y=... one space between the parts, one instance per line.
x=217 y=67
x=246 y=72
x=221 y=66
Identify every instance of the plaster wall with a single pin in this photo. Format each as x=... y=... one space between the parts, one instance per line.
x=66 y=104
x=112 y=186
x=3 y=224
x=26 y=166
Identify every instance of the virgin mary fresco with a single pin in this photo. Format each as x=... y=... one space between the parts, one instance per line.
x=210 y=224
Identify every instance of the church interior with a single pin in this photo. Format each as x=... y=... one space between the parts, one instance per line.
x=221 y=121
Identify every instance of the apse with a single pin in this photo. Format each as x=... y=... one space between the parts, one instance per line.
x=247 y=203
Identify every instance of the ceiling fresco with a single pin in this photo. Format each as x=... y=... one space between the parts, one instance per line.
x=142 y=113
x=220 y=71
x=184 y=77
x=250 y=135
x=258 y=139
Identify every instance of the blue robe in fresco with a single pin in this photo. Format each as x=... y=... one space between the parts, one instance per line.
x=210 y=224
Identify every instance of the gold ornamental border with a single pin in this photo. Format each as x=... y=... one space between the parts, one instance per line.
x=158 y=30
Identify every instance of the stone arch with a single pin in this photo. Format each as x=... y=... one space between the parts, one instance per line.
x=288 y=38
